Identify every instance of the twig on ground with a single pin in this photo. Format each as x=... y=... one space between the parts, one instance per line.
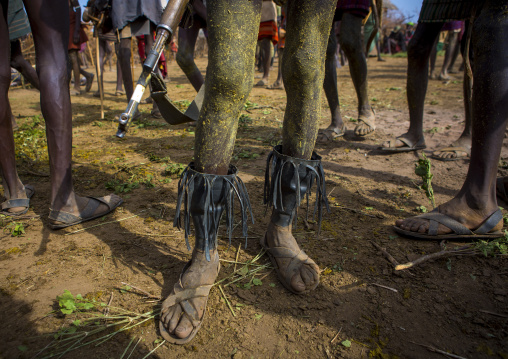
x=150 y=234
x=33 y=173
x=227 y=301
x=385 y=287
x=102 y=224
x=333 y=189
x=435 y=350
x=106 y=310
x=142 y=291
x=357 y=211
x=427 y=257
x=336 y=335
x=236 y=257
x=385 y=253
x=493 y=313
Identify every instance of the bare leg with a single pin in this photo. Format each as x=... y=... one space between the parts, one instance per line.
x=332 y=94
x=50 y=25
x=119 y=79
x=453 y=43
x=476 y=200
x=278 y=84
x=19 y=63
x=185 y=55
x=433 y=57
x=12 y=185
x=351 y=42
x=73 y=56
x=124 y=58
x=419 y=50
x=266 y=50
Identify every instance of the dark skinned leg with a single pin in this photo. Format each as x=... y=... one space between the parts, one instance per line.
x=453 y=42
x=50 y=25
x=265 y=49
x=351 y=41
x=476 y=200
x=119 y=79
x=278 y=84
x=19 y=63
x=12 y=185
x=73 y=56
x=102 y=52
x=124 y=58
x=331 y=91
x=419 y=50
x=433 y=57
x=233 y=26
x=185 y=55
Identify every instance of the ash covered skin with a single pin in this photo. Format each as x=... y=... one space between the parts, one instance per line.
x=229 y=79
x=308 y=28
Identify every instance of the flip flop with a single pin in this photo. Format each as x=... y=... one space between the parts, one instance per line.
x=19 y=202
x=180 y=296
x=459 y=231
x=452 y=149
x=298 y=259
x=409 y=145
x=87 y=214
x=369 y=121
x=500 y=190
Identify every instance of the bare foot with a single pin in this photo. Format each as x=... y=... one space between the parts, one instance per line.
x=75 y=92
x=407 y=141
x=295 y=269
x=263 y=82
x=174 y=318
x=366 y=122
x=456 y=209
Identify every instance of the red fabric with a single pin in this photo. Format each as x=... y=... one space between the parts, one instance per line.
x=142 y=55
x=82 y=35
x=268 y=29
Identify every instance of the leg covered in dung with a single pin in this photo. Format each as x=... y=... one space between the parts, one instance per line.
x=207 y=188
x=294 y=165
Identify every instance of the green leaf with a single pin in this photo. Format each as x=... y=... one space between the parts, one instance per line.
x=66 y=311
x=346 y=343
x=258 y=316
x=77 y=323
x=247 y=286
x=272 y=285
x=243 y=271
x=22 y=348
x=257 y=281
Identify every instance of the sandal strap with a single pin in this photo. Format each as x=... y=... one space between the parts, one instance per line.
x=88 y=211
x=490 y=223
x=435 y=218
x=13 y=203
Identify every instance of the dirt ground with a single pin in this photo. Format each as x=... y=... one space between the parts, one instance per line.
x=362 y=308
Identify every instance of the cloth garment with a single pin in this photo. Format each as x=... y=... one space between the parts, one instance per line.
x=268 y=29
x=268 y=11
x=447 y=10
x=455 y=26
x=124 y=12
x=82 y=35
x=356 y=7
x=17 y=20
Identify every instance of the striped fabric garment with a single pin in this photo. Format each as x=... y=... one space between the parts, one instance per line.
x=268 y=29
x=17 y=20
x=447 y=10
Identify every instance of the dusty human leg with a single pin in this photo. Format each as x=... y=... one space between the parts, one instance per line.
x=453 y=42
x=185 y=55
x=419 y=50
x=123 y=56
x=266 y=50
x=308 y=30
x=50 y=24
x=12 y=185
x=476 y=200
x=351 y=42
x=22 y=65
x=433 y=57
x=278 y=84
x=73 y=56
x=331 y=91
x=119 y=78
x=232 y=26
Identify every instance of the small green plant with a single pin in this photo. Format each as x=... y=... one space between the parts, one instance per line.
x=493 y=247
x=433 y=130
x=69 y=304
x=121 y=187
x=174 y=169
x=248 y=105
x=97 y=123
x=422 y=169
x=182 y=105
x=244 y=120
x=421 y=209
x=17 y=229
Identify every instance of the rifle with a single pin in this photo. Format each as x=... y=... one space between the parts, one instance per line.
x=171 y=18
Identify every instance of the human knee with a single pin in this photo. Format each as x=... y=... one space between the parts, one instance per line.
x=231 y=81
x=298 y=68
x=417 y=50
x=184 y=59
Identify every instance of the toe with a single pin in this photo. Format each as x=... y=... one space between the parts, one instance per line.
x=297 y=283
x=184 y=328
x=174 y=319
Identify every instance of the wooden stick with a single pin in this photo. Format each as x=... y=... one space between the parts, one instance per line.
x=227 y=301
x=432 y=256
x=435 y=350
x=102 y=224
x=142 y=291
x=492 y=313
x=336 y=335
x=101 y=90
x=236 y=258
x=385 y=287
x=385 y=253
